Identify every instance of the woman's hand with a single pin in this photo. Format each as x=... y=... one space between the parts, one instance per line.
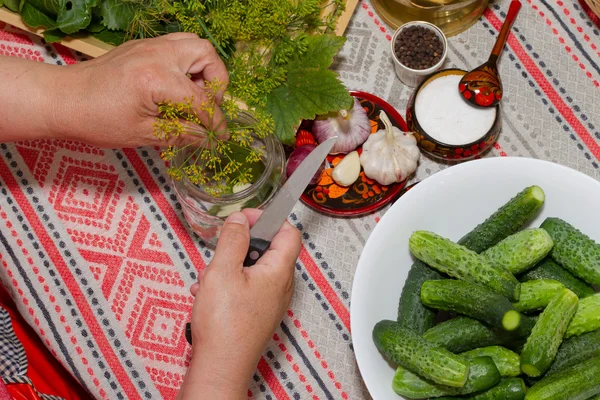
x=237 y=309
x=114 y=98
x=110 y=101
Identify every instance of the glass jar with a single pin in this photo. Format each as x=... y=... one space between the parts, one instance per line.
x=205 y=213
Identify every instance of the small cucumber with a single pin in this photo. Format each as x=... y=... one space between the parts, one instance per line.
x=475 y=301
x=462 y=263
x=547 y=334
x=535 y=295
x=586 y=318
x=575 y=251
x=507 y=220
x=579 y=382
x=521 y=251
x=483 y=374
x=575 y=350
x=462 y=334
x=507 y=361
x=409 y=350
x=548 y=269
x=412 y=314
x=507 y=389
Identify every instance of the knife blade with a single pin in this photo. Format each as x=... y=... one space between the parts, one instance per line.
x=276 y=213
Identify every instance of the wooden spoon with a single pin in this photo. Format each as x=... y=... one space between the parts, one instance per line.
x=482 y=86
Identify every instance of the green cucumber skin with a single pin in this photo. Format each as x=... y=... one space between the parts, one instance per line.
x=483 y=375
x=576 y=350
x=521 y=251
x=461 y=334
x=586 y=318
x=461 y=263
x=507 y=220
x=579 y=382
x=536 y=294
x=465 y=298
x=507 y=389
x=412 y=314
x=407 y=349
x=507 y=361
x=549 y=269
x=547 y=334
x=575 y=251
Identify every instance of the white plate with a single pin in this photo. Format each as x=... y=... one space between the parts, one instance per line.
x=451 y=203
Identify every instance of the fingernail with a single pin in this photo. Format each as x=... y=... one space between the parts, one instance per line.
x=237 y=218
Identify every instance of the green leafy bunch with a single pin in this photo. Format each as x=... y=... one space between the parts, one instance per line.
x=217 y=155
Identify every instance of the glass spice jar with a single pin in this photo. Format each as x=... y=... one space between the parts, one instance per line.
x=206 y=213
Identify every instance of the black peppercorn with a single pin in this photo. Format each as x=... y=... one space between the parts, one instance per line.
x=418 y=47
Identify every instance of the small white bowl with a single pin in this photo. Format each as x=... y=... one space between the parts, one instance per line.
x=412 y=77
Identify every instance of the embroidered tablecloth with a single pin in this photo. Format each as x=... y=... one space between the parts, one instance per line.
x=96 y=252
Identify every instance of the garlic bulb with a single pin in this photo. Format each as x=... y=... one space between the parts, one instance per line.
x=347 y=171
x=389 y=155
x=352 y=127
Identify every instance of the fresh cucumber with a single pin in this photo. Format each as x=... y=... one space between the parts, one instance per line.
x=461 y=334
x=535 y=295
x=412 y=314
x=548 y=269
x=575 y=350
x=507 y=220
x=586 y=318
x=475 y=301
x=575 y=251
x=507 y=389
x=483 y=374
x=507 y=361
x=521 y=251
x=579 y=382
x=547 y=334
x=409 y=350
x=462 y=263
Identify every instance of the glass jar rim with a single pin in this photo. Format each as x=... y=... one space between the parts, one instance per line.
x=271 y=143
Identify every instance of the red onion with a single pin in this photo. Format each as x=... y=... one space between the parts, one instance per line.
x=352 y=128
x=297 y=156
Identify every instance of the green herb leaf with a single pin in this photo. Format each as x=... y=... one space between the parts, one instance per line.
x=75 y=15
x=111 y=37
x=116 y=14
x=48 y=7
x=306 y=94
x=95 y=26
x=35 y=18
x=12 y=5
x=321 y=49
x=53 y=35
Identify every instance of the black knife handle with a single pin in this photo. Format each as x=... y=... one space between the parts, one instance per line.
x=257 y=248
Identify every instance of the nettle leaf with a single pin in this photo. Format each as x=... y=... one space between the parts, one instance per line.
x=48 y=7
x=321 y=49
x=53 y=35
x=75 y=15
x=115 y=38
x=115 y=14
x=306 y=94
x=35 y=18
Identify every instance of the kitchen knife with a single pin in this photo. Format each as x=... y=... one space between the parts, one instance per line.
x=276 y=213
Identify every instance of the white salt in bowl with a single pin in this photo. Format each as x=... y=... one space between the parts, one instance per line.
x=445 y=125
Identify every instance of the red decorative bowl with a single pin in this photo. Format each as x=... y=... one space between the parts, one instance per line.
x=444 y=151
x=365 y=195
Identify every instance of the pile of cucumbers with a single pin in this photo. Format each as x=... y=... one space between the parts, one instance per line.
x=505 y=313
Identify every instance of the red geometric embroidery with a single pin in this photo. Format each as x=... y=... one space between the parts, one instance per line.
x=143 y=236
x=105 y=268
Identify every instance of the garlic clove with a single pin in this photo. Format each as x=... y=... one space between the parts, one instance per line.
x=348 y=170
x=240 y=187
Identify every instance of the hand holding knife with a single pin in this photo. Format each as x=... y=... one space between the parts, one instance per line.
x=276 y=213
